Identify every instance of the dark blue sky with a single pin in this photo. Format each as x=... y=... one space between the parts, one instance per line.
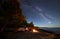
x=43 y=13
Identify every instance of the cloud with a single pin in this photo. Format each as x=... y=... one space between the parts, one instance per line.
x=49 y=16
x=43 y=16
x=39 y=9
x=46 y=19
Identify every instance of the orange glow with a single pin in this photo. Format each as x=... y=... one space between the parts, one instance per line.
x=27 y=29
x=34 y=30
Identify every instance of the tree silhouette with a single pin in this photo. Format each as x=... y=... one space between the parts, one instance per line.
x=30 y=24
x=11 y=14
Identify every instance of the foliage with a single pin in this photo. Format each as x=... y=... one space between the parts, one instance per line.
x=12 y=14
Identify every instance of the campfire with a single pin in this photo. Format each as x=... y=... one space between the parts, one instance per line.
x=34 y=30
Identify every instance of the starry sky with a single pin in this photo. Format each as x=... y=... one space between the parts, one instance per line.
x=43 y=13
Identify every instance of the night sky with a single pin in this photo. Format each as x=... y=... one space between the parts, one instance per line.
x=43 y=13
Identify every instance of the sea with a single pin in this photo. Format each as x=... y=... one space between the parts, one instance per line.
x=55 y=30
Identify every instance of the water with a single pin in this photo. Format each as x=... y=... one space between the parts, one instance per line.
x=55 y=30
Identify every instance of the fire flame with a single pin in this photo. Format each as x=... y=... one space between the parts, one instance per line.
x=34 y=30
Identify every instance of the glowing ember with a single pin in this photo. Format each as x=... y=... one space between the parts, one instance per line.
x=34 y=30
